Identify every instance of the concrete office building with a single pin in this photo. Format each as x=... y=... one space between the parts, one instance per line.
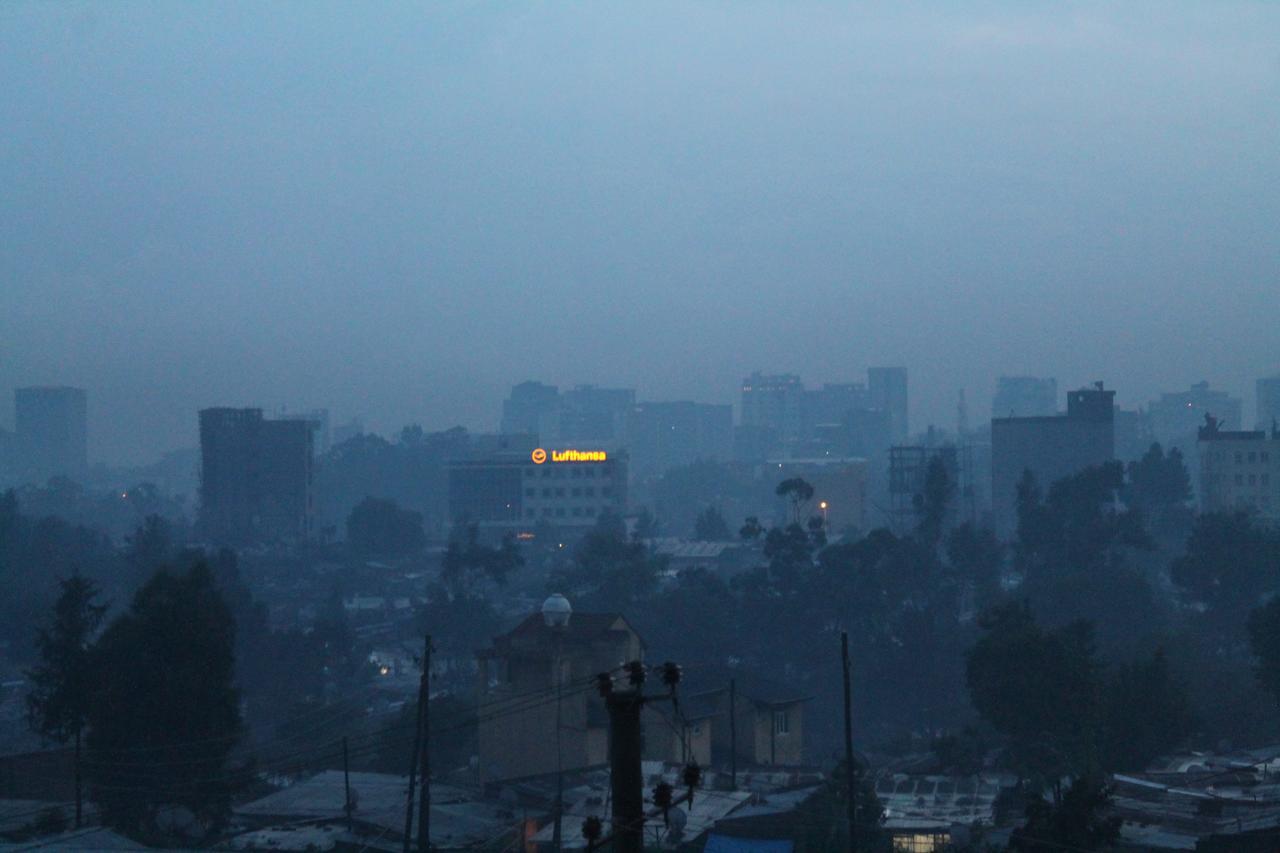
x=1025 y=397
x=888 y=391
x=513 y=492
x=1050 y=448
x=1176 y=416
x=1239 y=470
x=661 y=436
x=530 y=408
x=51 y=434
x=908 y=472
x=255 y=478
x=774 y=404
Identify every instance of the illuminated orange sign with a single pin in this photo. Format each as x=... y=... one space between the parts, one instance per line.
x=578 y=456
x=539 y=456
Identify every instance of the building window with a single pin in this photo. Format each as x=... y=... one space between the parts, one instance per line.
x=546 y=493
x=589 y=472
x=1265 y=456
x=528 y=493
x=577 y=512
x=560 y=512
x=781 y=723
x=1239 y=479
x=577 y=493
x=560 y=492
x=1253 y=457
x=590 y=491
x=1239 y=457
x=546 y=513
x=1266 y=479
x=545 y=473
x=1253 y=479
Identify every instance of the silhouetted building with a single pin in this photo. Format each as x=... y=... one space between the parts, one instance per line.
x=598 y=415
x=1133 y=434
x=353 y=428
x=839 y=489
x=888 y=391
x=318 y=420
x=564 y=487
x=51 y=433
x=1176 y=416
x=1025 y=397
x=774 y=403
x=661 y=436
x=1239 y=470
x=255 y=477
x=529 y=408
x=1268 y=391
x=1050 y=448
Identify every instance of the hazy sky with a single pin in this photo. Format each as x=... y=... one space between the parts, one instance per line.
x=397 y=211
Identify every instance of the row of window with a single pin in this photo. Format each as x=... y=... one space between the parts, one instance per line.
x=576 y=472
x=577 y=492
x=1242 y=457
x=561 y=512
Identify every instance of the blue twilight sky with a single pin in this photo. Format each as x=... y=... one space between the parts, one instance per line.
x=397 y=211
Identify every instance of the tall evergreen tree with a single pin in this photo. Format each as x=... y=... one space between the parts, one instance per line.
x=165 y=715
x=58 y=704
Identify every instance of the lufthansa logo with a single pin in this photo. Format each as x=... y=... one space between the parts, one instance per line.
x=539 y=456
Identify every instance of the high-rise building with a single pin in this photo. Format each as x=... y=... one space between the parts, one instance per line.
x=51 y=433
x=1268 y=391
x=1176 y=416
x=1050 y=448
x=529 y=408
x=1025 y=397
x=591 y=414
x=661 y=436
x=775 y=404
x=255 y=477
x=1239 y=470
x=887 y=387
x=318 y=419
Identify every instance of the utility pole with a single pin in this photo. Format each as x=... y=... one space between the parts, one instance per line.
x=733 y=734
x=424 y=799
x=417 y=749
x=627 y=777
x=346 y=783
x=848 y=745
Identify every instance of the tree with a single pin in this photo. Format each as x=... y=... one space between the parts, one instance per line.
x=824 y=817
x=381 y=527
x=62 y=686
x=711 y=526
x=1076 y=821
x=608 y=570
x=977 y=558
x=165 y=715
x=933 y=504
x=798 y=492
x=468 y=560
x=1040 y=689
x=1145 y=714
x=149 y=548
x=1264 y=640
x=1229 y=567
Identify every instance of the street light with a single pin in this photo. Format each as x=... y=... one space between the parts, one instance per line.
x=822 y=505
x=555 y=613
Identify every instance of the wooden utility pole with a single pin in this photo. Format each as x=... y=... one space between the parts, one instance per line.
x=424 y=797
x=733 y=735
x=626 y=776
x=346 y=783
x=848 y=745
x=417 y=749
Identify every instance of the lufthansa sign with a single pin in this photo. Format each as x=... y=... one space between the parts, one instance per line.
x=539 y=456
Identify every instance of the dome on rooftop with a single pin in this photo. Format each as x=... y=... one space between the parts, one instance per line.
x=556 y=611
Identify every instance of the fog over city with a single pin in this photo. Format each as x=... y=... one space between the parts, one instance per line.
x=398 y=214
x=706 y=427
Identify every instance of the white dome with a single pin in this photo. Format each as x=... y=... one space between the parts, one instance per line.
x=556 y=611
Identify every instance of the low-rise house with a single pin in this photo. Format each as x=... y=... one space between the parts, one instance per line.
x=539 y=709
x=761 y=718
